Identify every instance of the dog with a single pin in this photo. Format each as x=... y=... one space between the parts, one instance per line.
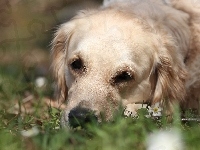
x=128 y=52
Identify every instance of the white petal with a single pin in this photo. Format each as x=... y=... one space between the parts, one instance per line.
x=157 y=114
x=165 y=140
x=30 y=133
x=40 y=81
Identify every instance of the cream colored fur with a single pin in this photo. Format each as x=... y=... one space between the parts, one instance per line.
x=156 y=44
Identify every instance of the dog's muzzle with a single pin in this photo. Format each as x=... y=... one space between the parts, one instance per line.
x=81 y=117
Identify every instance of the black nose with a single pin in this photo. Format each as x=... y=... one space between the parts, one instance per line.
x=81 y=117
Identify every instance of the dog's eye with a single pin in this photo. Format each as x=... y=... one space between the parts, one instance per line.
x=77 y=64
x=123 y=77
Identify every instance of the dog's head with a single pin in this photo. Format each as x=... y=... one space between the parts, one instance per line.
x=107 y=58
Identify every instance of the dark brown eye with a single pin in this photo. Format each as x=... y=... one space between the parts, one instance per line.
x=123 y=77
x=77 y=64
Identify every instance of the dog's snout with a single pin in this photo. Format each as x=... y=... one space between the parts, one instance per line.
x=81 y=116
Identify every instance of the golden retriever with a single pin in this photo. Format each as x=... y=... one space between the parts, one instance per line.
x=128 y=52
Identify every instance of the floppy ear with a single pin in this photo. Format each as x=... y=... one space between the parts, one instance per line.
x=171 y=74
x=58 y=55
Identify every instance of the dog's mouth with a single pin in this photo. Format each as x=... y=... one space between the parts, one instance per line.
x=81 y=117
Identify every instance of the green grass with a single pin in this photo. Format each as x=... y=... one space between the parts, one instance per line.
x=122 y=133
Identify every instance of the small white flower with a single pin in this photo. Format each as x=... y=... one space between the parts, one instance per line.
x=40 y=82
x=155 y=110
x=165 y=140
x=30 y=133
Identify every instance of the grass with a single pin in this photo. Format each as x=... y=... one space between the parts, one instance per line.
x=123 y=133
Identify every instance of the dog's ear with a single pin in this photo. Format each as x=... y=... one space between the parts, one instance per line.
x=170 y=74
x=58 y=55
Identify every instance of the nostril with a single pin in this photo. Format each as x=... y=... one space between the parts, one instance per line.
x=81 y=116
